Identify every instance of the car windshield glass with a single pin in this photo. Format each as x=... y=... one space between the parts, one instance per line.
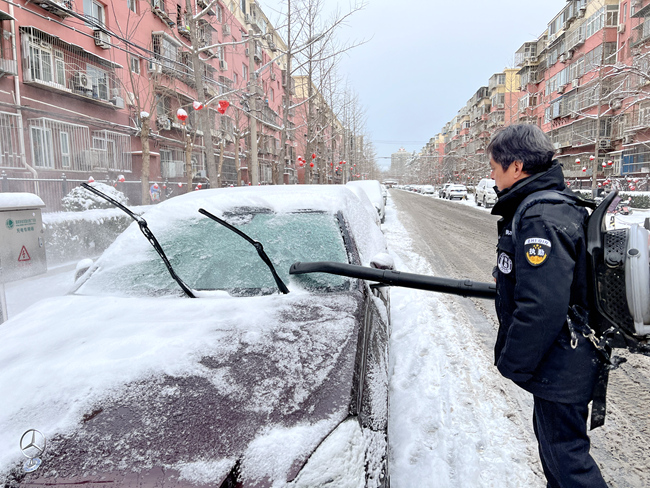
x=208 y=256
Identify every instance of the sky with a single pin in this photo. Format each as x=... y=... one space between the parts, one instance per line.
x=425 y=59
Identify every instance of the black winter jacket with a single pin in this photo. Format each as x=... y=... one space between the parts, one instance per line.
x=538 y=278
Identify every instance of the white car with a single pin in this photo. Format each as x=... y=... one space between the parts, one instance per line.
x=428 y=190
x=372 y=188
x=443 y=190
x=485 y=194
x=456 y=191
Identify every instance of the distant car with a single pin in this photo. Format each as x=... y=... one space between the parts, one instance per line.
x=457 y=191
x=373 y=190
x=428 y=190
x=443 y=190
x=384 y=193
x=134 y=383
x=485 y=194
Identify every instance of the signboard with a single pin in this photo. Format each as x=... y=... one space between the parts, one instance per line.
x=22 y=245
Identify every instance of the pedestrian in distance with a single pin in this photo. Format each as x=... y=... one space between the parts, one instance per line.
x=541 y=272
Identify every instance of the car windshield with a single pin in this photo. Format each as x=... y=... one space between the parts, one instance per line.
x=208 y=256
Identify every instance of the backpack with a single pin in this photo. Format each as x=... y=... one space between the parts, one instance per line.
x=619 y=287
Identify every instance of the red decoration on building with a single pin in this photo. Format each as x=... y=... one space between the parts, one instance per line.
x=181 y=115
x=91 y=180
x=313 y=156
x=577 y=160
x=584 y=169
x=604 y=164
x=591 y=158
x=197 y=105
x=610 y=162
x=311 y=165
x=180 y=185
x=121 y=178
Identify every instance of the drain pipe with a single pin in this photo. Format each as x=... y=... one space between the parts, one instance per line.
x=17 y=101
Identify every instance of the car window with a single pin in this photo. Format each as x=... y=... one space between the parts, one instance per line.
x=207 y=256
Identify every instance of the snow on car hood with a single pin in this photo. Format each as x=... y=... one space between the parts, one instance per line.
x=190 y=385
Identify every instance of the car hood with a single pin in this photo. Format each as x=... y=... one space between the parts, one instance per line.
x=176 y=392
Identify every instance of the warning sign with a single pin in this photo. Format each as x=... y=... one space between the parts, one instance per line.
x=24 y=255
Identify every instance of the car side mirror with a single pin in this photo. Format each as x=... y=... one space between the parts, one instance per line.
x=382 y=261
x=82 y=266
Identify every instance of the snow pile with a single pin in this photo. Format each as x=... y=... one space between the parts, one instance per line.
x=80 y=199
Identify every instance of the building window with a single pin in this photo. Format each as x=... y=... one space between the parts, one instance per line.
x=45 y=64
x=133 y=5
x=272 y=94
x=100 y=82
x=94 y=11
x=65 y=149
x=244 y=72
x=42 y=149
x=166 y=50
x=135 y=65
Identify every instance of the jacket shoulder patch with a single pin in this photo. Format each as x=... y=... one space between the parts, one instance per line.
x=537 y=250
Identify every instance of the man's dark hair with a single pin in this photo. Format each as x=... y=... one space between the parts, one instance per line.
x=522 y=142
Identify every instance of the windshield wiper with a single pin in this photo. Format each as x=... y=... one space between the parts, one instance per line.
x=147 y=233
x=258 y=247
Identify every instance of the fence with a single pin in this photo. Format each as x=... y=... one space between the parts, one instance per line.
x=51 y=191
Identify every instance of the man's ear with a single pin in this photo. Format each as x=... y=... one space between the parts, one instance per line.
x=518 y=170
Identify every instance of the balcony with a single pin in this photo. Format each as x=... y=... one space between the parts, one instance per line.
x=60 y=8
x=641 y=33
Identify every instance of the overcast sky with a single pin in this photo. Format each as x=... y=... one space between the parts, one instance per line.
x=425 y=59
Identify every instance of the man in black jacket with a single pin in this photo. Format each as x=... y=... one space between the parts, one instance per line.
x=540 y=274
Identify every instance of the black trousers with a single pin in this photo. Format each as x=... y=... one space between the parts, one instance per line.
x=561 y=431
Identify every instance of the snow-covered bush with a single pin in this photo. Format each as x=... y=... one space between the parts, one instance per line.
x=80 y=199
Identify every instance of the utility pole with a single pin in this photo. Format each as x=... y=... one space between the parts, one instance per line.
x=253 y=167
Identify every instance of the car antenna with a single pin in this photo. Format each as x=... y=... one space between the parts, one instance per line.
x=258 y=246
x=147 y=233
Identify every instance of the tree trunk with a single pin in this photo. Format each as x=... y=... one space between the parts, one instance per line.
x=220 y=168
x=237 y=163
x=188 y=162
x=144 y=137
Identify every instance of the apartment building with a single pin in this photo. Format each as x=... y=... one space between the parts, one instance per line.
x=584 y=81
x=80 y=82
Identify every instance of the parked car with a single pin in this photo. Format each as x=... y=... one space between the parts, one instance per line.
x=366 y=203
x=443 y=191
x=428 y=190
x=384 y=193
x=372 y=188
x=456 y=191
x=485 y=194
x=134 y=383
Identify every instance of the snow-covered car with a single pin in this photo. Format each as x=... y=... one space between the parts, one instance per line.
x=373 y=190
x=428 y=190
x=366 y=203
x=443 y=190
x=384 y=193
x=132 y=382
x=485 y=194
x=456 y=191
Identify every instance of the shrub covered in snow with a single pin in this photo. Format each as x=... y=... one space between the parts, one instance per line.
x=80 y=199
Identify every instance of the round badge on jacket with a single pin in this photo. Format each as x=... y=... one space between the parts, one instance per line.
x=505 y=263
x=537 y=250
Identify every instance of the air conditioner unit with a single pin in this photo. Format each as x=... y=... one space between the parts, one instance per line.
x=154 y=67
x=223 y=65
x=164 y=123
x=500 y=105
x=628 y=139
x=561 y=89
x=563 y=58
x=621 y=28
x=605 y=143
x=130 y=97
x=81 y=80
x=102 y=39
x=575 y=83
x=118 y=102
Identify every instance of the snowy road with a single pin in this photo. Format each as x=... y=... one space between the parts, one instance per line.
x=457 y=239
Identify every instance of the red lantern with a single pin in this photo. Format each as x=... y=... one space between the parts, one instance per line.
x=577 y=160
x=181 y=115
x=599 y=185
x=155 y=186
x=197 y=105
x=604 y=164
x=301 y=163
x=180 y=185
x=343 y=162
x=568 y=183
x=199 y=185
x=632 y=187
x=223 y=105
x=331 y=164
x=311 y=165
x=121 y=178
x=610 y=162
x=91 y=180
x=164 y=187
x=591 y=158
x=584 y=169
